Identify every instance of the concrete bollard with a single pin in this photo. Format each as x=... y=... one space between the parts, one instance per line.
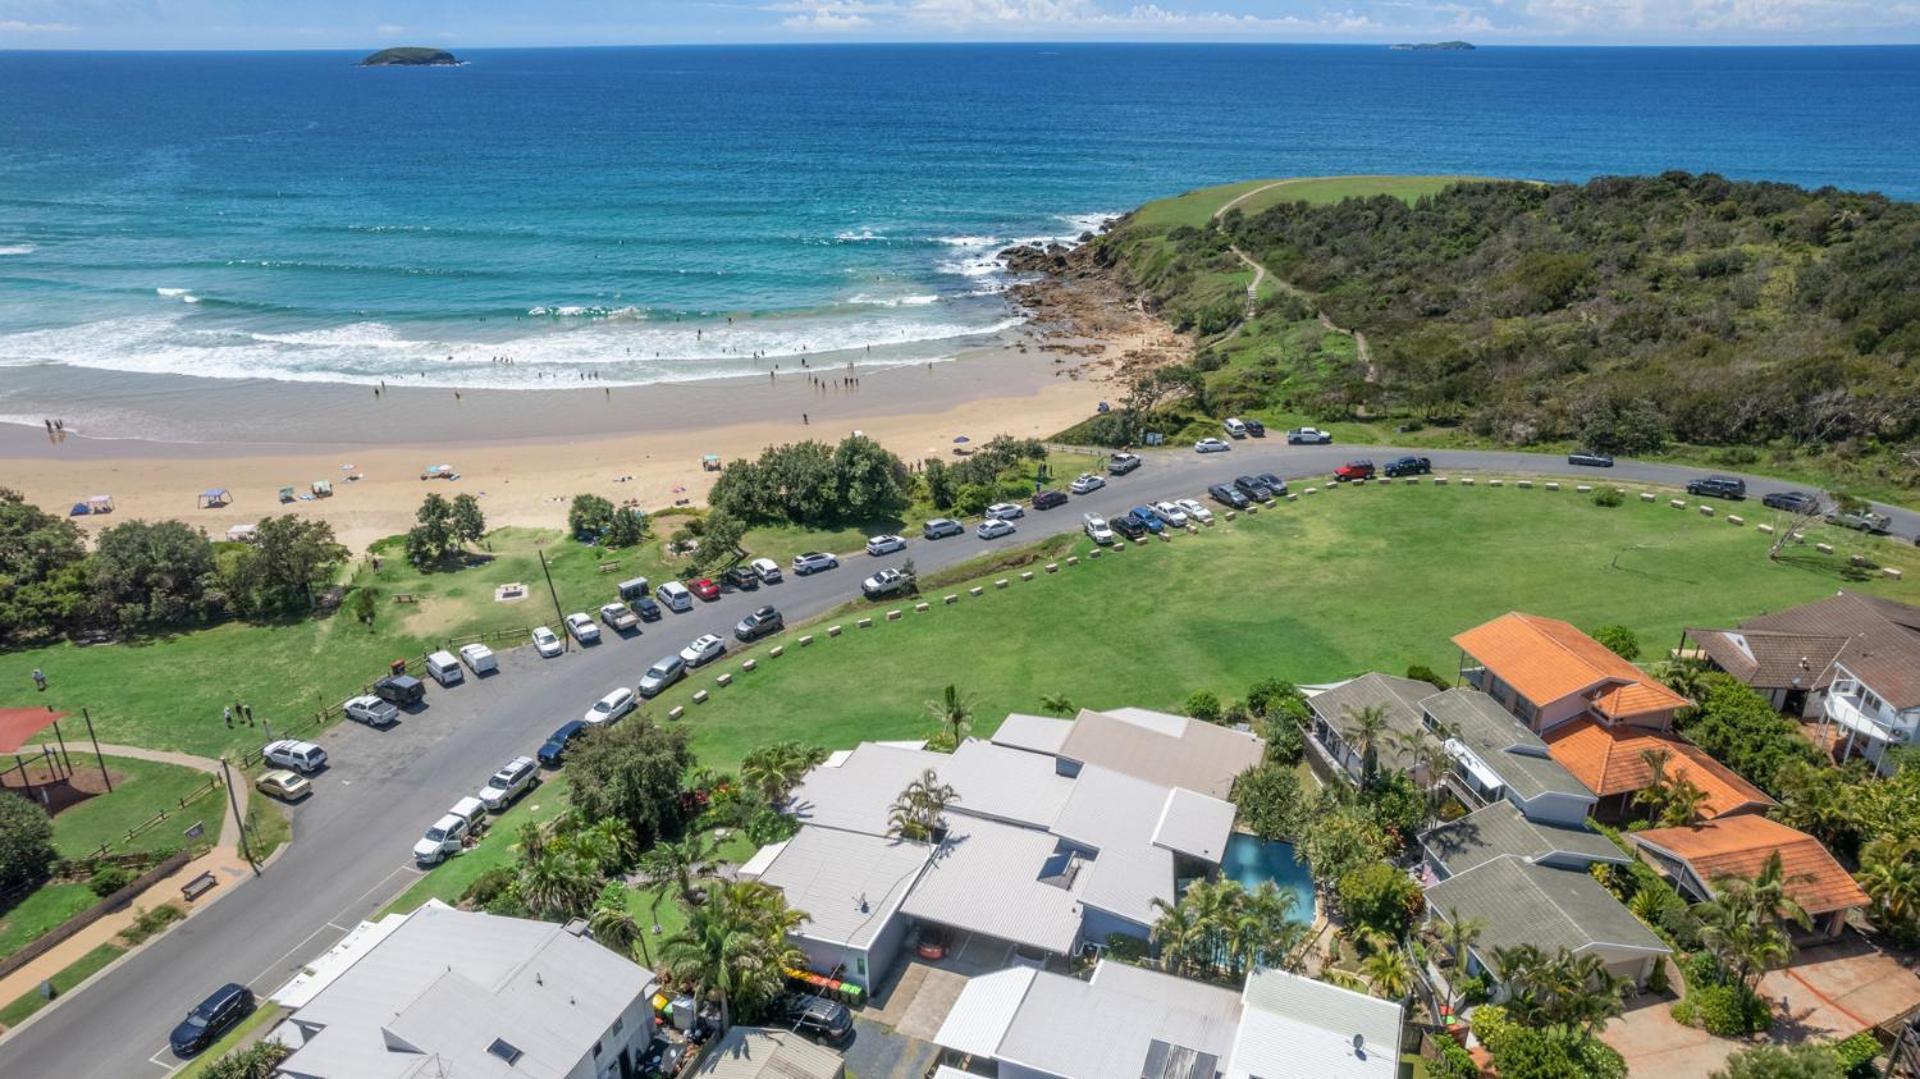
x=1140 y=541
x=699 y=696
x=1291 y=497
x=833 y=631
x=1553 y=486
x=1053 y=567
x=1163 y=537
x=1494 y=483
x=777 y=651
x=1677 y=503
x=1860 y=560
x=1001 y=583
x=1311 y=490
x=922 y=608
x=1095 y=553
x=976 y=590
x=893 y=615
x=863 y=623
x=1466 y=481
x=1733 y=520
x=1413 y=479
x=1893 y=573
x=1251 y=510
x=1524 y=483
x=1073 y=560
x=1439 y=481
x=676 y=712
x=1027 y=576
x=1384 y=479
x=1583 y=489
x=1706 y=511
x=1648 y=496
x=807 y=640
x=1823 y=548
x=1799 y=537
x=724 y=679
x=1231 y=515
x=1194 y=529
x=1765 y=530
x=750 y=665
x=951 y=599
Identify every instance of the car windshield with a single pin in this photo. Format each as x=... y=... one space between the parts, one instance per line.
x=499 y=782
x=195 y=1019
x=436 y=834
x=602 y=707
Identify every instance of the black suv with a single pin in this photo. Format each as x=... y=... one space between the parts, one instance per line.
x=401 y=689
x=1272 y=483
x=1718 y=487
x=226 y=1006
x=1122 y=463
x=1252 y=488
x=741 y=579
x=760 y=623
x=1046 y=500
x=1227 y=496
x=1256 y=428
x=1791 y=501
x=1127 y=525
x=1590 y=460
x=817 y=1017
x=1408 y=466
x=646 y=608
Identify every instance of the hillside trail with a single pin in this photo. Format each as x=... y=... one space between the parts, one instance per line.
x=1362 y=350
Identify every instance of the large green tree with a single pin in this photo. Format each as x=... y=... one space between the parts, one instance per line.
x=42 y=580
x=734 y=949
x=26 y=842
x=631 y=771
x=289 y=559
x=153 y=575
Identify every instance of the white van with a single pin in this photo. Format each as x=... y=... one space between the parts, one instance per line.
x=674 y=597
x=445 y=669
x=1237 y=428
x=479 y=658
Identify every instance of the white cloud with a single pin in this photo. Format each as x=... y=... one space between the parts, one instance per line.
x=16 y=26
x=387 y=29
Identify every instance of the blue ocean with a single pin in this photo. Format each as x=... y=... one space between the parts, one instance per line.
x=655 y=214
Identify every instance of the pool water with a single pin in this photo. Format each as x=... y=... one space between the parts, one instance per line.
x=1253 y=861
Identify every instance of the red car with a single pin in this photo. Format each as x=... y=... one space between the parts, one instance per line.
x=704 y=588
x=1353 y=470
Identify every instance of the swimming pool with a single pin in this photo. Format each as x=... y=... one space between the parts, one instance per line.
x=1253 y=861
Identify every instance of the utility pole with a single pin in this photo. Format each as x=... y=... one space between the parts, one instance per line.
x=566 y=636
x=97 y=758
x=233 y=798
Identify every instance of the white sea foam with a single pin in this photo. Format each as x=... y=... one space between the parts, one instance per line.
x=17 y=249
x=586 y=311
x=894 y=301
x=969 y=241
x=857 y=236
x=170 y=292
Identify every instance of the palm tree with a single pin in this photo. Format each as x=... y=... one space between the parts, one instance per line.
x=607 y=842
x=612 y=924
x=1387 y=974
x=1682 y=804
x=953 y=710
x=1178 y=935
x=1461 y=932
x=559 y=884
x=773 y=770
x=919 y=813
x=1345 y=979
x=1742 y=924
x=680 y=862
x=1366 y=733
x=1890 y=873
x=1425 y=753
x=734 y=949
x=1266 y=934
x=1682 y=676
x=1652 y=797
x=1575 y=990
x=1057 y=704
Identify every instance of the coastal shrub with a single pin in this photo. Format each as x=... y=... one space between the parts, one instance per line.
x=811 y=483
x=1727 y=1010
x=489 y=886
x=1473 y=990
x=1422 y=673
x=1619 y=640
x=150 y=921
x=261 y=1060
x=1126 y=948
x=1856 y=1054
x=1286 y=739
x=1801 y=1061
x=26 y=842
x=1274 y=696
x=1397 y=805
x=289 y=560
x=768 y=826
x=147 y=575
x=1741 y=729
x=42 y=559
x=588 y=517
x=632 y=772
x=1204 y=705
x=432 y=541
x=1381 y=897
x=1451 y=1061
x=108 y=879
x=1270 y=800
x=1609 y=497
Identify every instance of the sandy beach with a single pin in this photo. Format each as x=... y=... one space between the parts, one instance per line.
x=523 y=452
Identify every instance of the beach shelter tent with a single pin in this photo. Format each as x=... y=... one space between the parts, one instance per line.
x=323 y=488
x=215 y=496
x=243 y=533
x=286 y=494
x=80 y=509
x=100 y=504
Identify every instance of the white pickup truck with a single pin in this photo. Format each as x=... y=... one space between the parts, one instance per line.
x=449 y=834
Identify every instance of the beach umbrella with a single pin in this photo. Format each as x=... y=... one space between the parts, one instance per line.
x=957 y=439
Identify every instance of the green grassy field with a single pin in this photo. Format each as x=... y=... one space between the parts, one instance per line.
x=1318 y=590
x=141 y=790
x=40 y=911
x=83 y=968
x=1196 y=207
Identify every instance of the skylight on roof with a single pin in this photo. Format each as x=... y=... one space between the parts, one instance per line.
x=505 y=1050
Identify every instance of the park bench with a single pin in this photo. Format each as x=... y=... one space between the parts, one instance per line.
x=609 y=567
x=198 y=886
x=404 y=597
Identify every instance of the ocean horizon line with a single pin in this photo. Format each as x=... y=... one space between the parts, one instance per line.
x=984 y=43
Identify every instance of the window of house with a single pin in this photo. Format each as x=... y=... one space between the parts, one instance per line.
x=618 y=1023
x=596 y=1050
x=1869 y=700
x=508 y=1051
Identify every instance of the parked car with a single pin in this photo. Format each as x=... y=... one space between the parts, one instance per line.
x=1127 y=525
x=619 y=617
x=610 y=708
x=401 y=689
x=705 y=588
x=1256 y=428
x=886 y=544
x=1272 y=483
x=1086 y=483
x=1171 y=513
x=1875 y=524
x=633 y=588
x=1252 y=488
x=445 y=668
x=554 y=749
x=212 y=1017
x=1236 y=428
x=303 y=757
x=1096 y=528
x=1195 y=511
x=1005 y=511
x=1148 y=519
x=941 y=528
x=514 y=778
x=1353 y=470
x=662 y=674
x=816 y=1017
x=547 y=642
x=813 y=562
x=1791 y=501
x=740 y=579
x=1046 y=500
x=1409 y=466
x=761 y=622
x=1718 y=487
x=283 y=784
x=1589 y=459
x=582 y=629
x=1309 y=436
x=1122 y=463
x=449 y=834
x=674 y=597
x=703 y=649
x=993 y=528
x=766 y=569
x=1228 y=496
x=372 y=711
x=479 y=658
x=647 y=609
x=1210 y=445
x=887 y=582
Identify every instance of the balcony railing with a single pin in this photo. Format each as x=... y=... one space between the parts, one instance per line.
x=1846 y=711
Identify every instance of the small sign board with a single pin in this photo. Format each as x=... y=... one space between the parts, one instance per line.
x=199 y=829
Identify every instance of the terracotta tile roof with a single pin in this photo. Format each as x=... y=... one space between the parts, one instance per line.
x=1608 y=760
x=1739 y=847
x=1546 y=659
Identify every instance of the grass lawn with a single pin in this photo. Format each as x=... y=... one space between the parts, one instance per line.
x=83 y=968
x=141 y=789
x=249 y=1031
x=267 y=825
x=1322 y=589
x=1195 y=208
x=40 y=911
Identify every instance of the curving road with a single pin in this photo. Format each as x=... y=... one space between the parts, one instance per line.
x=355 y=834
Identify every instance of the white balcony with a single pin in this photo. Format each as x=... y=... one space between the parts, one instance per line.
x=1846 y=710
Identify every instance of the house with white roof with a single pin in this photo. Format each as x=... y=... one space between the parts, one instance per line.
x=441 y=992
x=1130 y=1021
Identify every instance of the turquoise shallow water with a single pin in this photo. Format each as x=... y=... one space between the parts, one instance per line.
x=1253 y=861
x=663 y=214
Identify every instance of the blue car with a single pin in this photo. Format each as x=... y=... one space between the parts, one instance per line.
x=1148 y=519
x=555 y=748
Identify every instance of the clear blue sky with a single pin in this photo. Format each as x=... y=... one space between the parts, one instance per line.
x=358 y=24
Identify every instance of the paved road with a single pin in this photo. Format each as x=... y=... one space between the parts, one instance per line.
x=353 y=837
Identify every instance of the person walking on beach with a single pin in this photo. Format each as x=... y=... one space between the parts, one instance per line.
x=803 y=419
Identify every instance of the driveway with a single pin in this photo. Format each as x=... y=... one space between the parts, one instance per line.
x=878 y=1052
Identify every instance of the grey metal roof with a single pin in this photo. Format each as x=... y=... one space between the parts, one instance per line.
x=448 y=982
x=1036 y=734
x=1398 y=698
x=1005 y=784
x=1502 y=743
x=1106 y=1027
x=983 y=1011
x=848 y=883
x=1172 y=751
x=1194 y=824
x=857 y=794
x=1517 y=903
x=1117 y=816
x=1501 y=829
x=1295 y=1026
x=760 y=1053
x=991 y=878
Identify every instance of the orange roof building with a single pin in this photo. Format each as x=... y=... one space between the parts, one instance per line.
x=1739 y=846
x=1548 y=673
x=1611 y=761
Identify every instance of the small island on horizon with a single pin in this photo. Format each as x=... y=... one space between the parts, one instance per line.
x=1434 y=46
x=411 y=56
